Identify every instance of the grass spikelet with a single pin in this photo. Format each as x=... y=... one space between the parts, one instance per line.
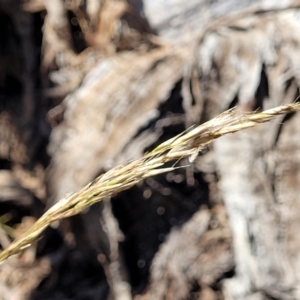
x=121 y=178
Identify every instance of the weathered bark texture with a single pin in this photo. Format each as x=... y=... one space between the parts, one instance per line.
x=178 y=267
x=113 y=79
x=256 y=183
x=120 y=95
x=178 y=20
x=260 y=190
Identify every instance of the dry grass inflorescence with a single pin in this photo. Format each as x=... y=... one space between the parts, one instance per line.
x=186 y=144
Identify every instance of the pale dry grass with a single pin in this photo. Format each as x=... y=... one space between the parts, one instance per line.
x=186 y=144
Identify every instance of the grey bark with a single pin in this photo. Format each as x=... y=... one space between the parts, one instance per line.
x=177 y=20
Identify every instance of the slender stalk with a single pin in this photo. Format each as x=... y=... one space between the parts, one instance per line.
x=120 y=178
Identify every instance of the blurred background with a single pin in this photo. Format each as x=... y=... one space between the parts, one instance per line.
x=86 y=85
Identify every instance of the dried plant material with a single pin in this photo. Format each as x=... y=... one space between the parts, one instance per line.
x=229 y=63
x=126 y=89
x=109 y=19
x=238 y=53
x=181 y=19
x=18 y=279
x=12 y=147
x=4 y=239
x=251 y=59
x=12 y=190
x=57 y=40
x=123 y=177
x=208 y=256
